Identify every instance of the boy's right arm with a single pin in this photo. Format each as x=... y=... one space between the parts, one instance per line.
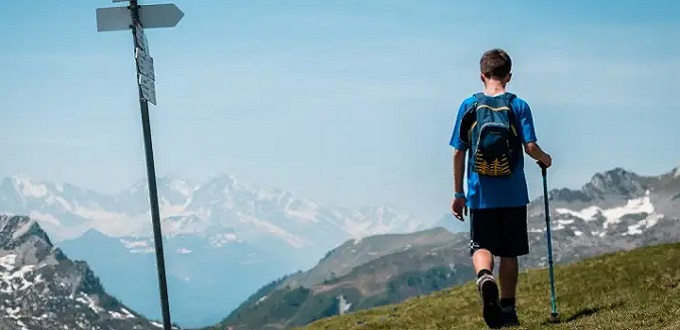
x=529 y=136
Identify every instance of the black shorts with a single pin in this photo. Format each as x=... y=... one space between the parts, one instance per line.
x=502 y=231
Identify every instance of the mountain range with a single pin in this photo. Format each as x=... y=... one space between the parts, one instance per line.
x=617 y=210
x=221 y=235
x=224 y=240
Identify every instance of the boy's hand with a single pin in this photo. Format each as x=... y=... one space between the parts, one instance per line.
x=458 y=207
x=545 y=161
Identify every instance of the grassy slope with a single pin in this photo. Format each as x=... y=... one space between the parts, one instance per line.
x=639 y=289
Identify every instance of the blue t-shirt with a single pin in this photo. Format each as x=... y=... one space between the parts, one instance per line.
x=505 y=191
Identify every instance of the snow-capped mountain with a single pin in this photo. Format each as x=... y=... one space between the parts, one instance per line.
x=222 y=207
x=223 y=233
x=617 y=209
x=40 y=288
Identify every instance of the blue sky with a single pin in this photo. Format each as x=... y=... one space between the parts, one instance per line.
x=350 y=102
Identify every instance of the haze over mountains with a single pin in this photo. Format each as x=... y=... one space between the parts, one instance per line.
x=221 y=234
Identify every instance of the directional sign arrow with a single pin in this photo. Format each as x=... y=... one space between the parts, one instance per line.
x=151 y=16
x=160 y=16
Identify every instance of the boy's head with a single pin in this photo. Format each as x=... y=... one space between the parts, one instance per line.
x=496 y=65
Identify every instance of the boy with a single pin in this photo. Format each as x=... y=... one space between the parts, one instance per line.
x=495 y=126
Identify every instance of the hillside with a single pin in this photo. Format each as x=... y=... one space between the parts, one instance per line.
x=617 y=210
x=638 y=289
x=40 y=288
x=375 y=271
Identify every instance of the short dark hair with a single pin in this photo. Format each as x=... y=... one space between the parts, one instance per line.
x=495 y=63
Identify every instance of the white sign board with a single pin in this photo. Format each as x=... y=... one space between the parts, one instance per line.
x=144 y=63
x=112 y=19
x=151 y=16
x=140 y=37
x=148 y=88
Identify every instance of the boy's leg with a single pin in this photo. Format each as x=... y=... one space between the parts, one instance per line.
x=482 y=259
x=484 y=237
x=515 y=244
x=508 y=272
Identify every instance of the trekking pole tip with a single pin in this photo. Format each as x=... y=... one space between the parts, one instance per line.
x=554 y=317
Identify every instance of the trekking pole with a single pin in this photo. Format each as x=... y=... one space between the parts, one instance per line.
x=554 y=316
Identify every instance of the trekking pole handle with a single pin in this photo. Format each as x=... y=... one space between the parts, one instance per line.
x=543 y=167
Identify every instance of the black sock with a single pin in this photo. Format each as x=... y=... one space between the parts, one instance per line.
x=507 y=302
x=484 y=271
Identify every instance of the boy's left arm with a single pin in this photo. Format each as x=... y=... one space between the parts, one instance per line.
x=460 y=148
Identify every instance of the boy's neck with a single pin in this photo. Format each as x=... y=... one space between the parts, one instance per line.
x=494 y=88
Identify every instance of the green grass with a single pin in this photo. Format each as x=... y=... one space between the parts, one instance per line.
x=639 y=289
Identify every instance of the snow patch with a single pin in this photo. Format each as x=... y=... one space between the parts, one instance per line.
x=648 y=222
x=168 y=208
x=587 y=214
x=27 y=188
x=578 y=233
x=16 y=281
x=308 y=215
x=45 y=218
x=137 y=246
x=183 y=251
x=289 y=238
x=181 y=187
x=614 y=215
x=124 y=314
x=7 y=262
x=13 y=312
x=222 y=239
x=634 y=206
x=90 y=302
x=184 y=225
x=23 y=229
x=64 y=203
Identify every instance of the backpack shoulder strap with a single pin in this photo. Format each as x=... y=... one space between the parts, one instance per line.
x=509 y=98
x=469 y=117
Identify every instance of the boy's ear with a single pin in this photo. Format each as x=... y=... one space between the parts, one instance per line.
x=508 y=78
x=482 y=78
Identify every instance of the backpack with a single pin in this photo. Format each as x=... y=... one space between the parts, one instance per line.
x=489 y=128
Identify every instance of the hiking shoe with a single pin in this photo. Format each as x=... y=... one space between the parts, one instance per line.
x=488 y=289
x=510 y=316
